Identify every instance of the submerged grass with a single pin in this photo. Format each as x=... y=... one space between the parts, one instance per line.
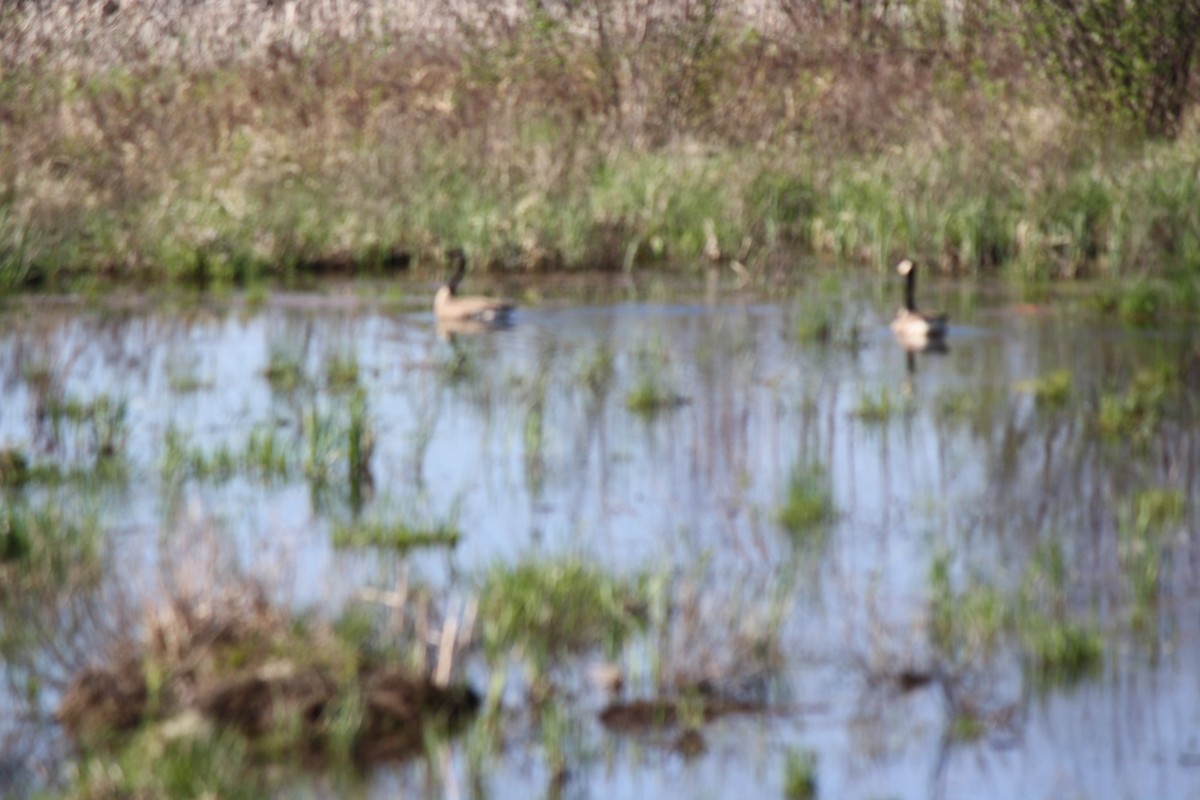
x=183 y=381
x=399 y=536
x=1059 y=650
x=970 y=625
x=800 y=775
x=881 y=406
x=284 y=370
x=1143 y=302
x=650 y=396
x=965 y=626
x=342 y=435
x=652 y=392
x=17 y=470
x=1143 y=525
x=46 y=546
x=557 y=607
x=821 y=320
x=98 y=428
x=264 y=456
x=1050 y=391
x=341 y=372
x=1136 y=413
x=808 y=505
x=596 y=369
x=970 y=406
x=193 y=763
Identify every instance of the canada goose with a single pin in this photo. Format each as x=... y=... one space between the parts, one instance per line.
x=912 y=327
x=449 y=307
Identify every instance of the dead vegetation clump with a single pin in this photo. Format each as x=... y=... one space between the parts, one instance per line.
x=216 y=141
x=239 y=663
x=718 y=655
x=700 y=704
x=110 y=697
x=681 y=715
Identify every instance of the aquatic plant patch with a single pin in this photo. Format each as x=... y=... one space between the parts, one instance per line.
x=558 y=607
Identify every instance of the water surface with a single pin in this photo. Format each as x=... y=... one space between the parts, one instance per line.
x=509 y=434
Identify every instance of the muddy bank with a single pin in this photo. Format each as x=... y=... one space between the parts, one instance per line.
x=240 y=664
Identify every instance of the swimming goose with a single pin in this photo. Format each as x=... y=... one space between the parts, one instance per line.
x=449 y=307
x=911 y=326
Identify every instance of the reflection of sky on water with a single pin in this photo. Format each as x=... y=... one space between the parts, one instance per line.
x=532 y=460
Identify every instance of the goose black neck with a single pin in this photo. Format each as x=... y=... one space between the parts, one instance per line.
x=458 y=260
x=910 y=290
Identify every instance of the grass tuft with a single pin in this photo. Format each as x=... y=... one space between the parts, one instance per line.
x=970 y=625
x=880 y=407
x=1052 y=390
x=800 y=775
x=1062 y=652
x=341 y=372
x=1137 y=413
x=596 y=370
x=809 y=502
x=398 y=536
x=263 y=456
x=47 y=546
x=559 y=607
x=650 y=397
x=1143 y=523
x=284 y=371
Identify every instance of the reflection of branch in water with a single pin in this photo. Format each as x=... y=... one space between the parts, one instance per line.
x=289 y=345
x=969 y=715
x=53 y=629
x=911 y=685
x=422 y=434
x=534 y=439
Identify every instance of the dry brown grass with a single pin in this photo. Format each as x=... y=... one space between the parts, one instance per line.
x=229 y=141
x=178 y=76
x=96 y=35
x=218 y=649
x=91 y=35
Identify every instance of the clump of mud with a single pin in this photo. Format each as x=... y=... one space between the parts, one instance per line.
x=682 y=713
x=234 y=661
x=700 y=705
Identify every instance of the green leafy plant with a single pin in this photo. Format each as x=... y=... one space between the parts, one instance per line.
x=1128 y=61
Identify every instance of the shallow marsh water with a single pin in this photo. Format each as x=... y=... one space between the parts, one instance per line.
x=526 y=439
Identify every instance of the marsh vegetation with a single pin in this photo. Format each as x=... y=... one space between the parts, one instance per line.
x=569 y=135
x=693 y=523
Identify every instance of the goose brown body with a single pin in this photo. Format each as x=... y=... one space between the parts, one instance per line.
x=448 y=306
